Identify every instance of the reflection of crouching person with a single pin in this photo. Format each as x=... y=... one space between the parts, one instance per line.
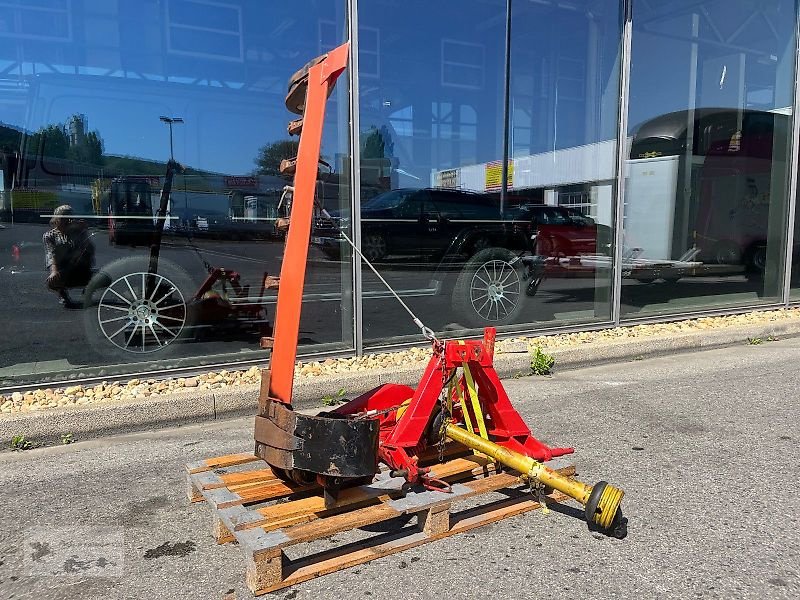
x=69 y=254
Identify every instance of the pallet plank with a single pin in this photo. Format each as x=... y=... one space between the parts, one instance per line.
x=263 y=532
x=228 y=460
x=358 y=553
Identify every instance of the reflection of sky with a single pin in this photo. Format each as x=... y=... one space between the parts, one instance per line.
x=745 y=56
x=222 y=67
x=431 y=74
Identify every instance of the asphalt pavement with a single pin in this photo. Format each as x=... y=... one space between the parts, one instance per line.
x=706 y=446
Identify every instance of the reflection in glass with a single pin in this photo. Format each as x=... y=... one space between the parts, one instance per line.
x=431 y=84
x=89 y=91
x=467 y=248
x=564 y=91
x=710 y=109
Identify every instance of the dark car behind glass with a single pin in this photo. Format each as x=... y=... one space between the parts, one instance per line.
x=426 y=223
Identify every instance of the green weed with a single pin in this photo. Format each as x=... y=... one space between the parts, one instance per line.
x=334 y=399
x=20 y=442
x=541 y=362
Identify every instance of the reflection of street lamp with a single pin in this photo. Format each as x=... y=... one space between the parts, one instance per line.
x=169 y=121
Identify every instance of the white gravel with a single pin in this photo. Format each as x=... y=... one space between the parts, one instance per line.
x=137 y=389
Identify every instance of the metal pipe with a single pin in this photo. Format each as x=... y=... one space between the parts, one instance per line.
x=506 y=112
x=355 y=176
x=791 y=196
x=622 y=147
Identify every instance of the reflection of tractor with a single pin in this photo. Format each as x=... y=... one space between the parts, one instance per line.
x=143 y=304
x=130 y=211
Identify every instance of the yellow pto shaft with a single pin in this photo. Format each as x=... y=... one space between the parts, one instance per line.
x=602 y=501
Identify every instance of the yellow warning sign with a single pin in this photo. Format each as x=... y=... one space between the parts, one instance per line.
x=494 y=175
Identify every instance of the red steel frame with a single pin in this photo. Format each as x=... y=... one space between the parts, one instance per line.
x=403 y=438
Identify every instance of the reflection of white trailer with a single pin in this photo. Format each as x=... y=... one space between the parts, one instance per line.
x=650 y=194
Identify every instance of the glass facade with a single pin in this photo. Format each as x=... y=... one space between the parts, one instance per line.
x=494 y=172
x=95 y=97
x=711 y=99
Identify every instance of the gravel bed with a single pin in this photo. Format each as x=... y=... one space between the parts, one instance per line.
x=137 y=389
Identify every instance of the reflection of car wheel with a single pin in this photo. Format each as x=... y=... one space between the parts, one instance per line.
x=373 y=246
x=128 y=311
x=489 y=290
x=533 y=285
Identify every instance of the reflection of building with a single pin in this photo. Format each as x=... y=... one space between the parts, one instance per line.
x=77 y=126
x=580 y=178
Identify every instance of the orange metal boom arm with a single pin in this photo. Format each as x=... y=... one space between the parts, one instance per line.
x=321 y=78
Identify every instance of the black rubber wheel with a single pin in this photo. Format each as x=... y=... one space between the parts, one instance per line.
x=490 y=290
x=594 y=500
x=727 y=253
x=757 y=258
x=533 y=285
x=128 y=312
x=618 y=527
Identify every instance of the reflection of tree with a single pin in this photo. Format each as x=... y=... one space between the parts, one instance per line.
x=88 y=151
x=377 y=143
x=54 y=142
x=269 y=157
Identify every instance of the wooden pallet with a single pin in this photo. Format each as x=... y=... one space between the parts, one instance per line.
x=251 y=506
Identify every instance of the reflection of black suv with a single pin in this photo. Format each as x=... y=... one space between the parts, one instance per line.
x=430 y=223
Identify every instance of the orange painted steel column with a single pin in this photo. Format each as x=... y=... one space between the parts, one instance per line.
x=321 y=78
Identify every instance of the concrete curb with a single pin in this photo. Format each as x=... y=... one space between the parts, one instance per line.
x=189 y=407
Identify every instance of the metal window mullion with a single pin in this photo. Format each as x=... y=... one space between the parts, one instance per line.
x=506 y=111
x=791 y=196
x=355 y=177
x=622 y=137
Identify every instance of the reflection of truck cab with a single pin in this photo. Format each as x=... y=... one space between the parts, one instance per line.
x=735 y=183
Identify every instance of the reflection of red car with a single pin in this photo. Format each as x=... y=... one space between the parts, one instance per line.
x=562 y=232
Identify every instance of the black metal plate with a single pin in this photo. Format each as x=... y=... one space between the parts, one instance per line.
x=326 y=444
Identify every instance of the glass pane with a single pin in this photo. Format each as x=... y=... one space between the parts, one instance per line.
x=91 y=121
x=710 y=112
x=564 y=91
x=432 y=119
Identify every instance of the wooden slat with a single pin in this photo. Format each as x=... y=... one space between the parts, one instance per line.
x=229 y=460
x=352 y=519
x=358 y=553
x=313 y=505
x=270 y=491
x=231 y=479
